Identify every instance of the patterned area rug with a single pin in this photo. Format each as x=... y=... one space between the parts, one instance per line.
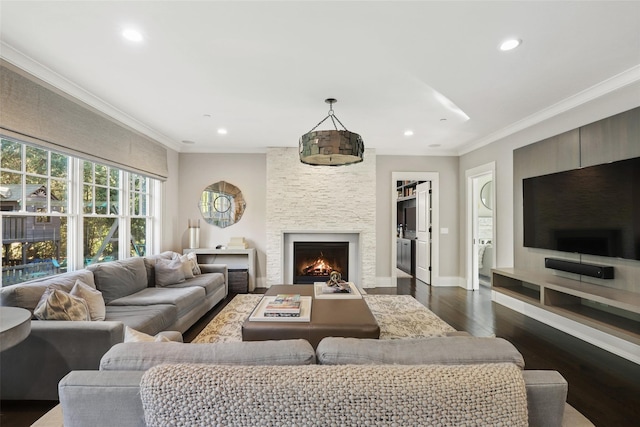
x=399 y=316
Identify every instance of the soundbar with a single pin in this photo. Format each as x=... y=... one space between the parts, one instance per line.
x=592 y=270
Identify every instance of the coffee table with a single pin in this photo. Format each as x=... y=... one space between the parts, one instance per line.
x=329 y=318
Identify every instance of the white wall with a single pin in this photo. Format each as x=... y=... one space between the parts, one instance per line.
x=170 y=232
x=245 y=171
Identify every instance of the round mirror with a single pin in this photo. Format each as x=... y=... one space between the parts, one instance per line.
x=222 y=204
x=486 y=194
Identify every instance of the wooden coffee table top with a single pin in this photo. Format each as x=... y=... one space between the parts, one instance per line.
x=329 y=318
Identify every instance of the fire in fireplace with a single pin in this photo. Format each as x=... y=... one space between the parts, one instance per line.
x=314 y=261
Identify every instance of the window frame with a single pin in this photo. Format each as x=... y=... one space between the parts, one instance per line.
x=74 y=211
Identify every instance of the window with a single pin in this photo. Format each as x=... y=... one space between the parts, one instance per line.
x=41 y=221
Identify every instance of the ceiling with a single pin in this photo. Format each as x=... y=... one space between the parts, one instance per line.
x=261 y=70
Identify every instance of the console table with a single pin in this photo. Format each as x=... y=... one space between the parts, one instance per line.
x=234 y=258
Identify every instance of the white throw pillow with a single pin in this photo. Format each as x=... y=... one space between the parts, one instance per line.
x=193 y=258
x=92 y=297
x=187 y=266
x=131 y=335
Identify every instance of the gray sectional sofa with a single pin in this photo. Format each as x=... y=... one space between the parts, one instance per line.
x=346 y=381
x=32 y=369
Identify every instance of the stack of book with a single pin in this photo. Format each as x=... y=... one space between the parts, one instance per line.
x=284 y=305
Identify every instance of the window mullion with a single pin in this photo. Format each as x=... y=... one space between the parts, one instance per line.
x=75 y=256
x=124 y=230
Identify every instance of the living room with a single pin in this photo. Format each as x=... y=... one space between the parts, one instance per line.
x=284 y=195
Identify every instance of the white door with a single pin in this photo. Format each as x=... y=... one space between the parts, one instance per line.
x=423 y=232
x=475 y=240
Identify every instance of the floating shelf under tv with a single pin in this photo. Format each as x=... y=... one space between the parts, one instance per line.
x=603 y=316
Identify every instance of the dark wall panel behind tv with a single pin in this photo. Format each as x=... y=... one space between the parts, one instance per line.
x=593 y=210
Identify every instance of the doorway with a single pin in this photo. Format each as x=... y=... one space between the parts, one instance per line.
x=428 y=260
x=480 y=239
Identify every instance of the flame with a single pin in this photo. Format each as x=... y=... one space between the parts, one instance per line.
x=320 y=267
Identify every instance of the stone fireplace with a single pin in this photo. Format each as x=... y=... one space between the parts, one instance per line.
x=320 y=204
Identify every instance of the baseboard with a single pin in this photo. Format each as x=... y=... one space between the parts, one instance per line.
x=384 y=282
x=451 y=281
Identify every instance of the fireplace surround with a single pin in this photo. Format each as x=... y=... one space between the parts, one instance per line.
x=339 y=251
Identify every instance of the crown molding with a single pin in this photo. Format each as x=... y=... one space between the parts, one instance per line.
x=47 y=75
x=619 y=81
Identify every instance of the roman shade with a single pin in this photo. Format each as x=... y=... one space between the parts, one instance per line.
x=34 y=112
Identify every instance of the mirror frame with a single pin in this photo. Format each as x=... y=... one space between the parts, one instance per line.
x=222 y=204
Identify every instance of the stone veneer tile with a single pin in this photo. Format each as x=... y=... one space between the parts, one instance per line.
x=303 y=198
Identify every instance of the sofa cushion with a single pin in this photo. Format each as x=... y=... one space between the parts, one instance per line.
x=149 y=319
x=117 y=279
x=142 y=356
x=60 y=305
x=211 y=282
x=184 y=298
x=27 y=295
x=420 y=351
x=92 y=297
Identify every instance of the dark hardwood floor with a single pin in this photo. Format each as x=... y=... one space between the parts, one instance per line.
x=602 y=386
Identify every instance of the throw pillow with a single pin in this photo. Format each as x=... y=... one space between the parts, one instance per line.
x=131 y=335
x=187 y=264
x=59 y=305
x=193 y=258
x=93 y=298
x=169 y=272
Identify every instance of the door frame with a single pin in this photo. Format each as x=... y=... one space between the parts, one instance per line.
x=434 y=177
x=471 y=175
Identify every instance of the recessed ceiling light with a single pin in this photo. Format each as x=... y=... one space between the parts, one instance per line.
x=132 y=35
x=186 y=141
x=510 y=44
x=222 y=131
x=408 y=132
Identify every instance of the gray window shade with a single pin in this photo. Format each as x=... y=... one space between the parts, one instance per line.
x=31 y=112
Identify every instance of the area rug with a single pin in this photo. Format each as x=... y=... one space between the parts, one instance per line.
x=399 y=316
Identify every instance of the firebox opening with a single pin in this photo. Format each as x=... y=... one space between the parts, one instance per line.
x=314 y=261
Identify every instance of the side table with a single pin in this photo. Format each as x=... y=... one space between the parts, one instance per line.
x=15 y=326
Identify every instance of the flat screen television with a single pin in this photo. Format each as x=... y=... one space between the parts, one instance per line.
x=593 y=210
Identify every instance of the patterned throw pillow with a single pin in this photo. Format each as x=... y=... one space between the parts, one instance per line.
x=60 y=305
x=93 y=298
